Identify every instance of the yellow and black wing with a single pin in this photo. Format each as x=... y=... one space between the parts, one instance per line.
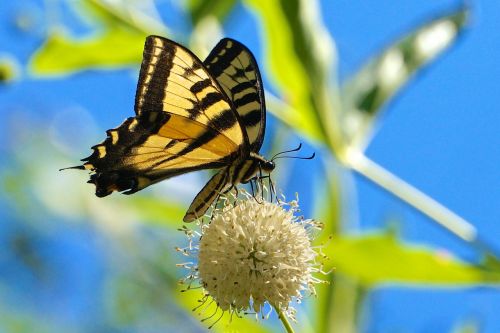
x=184 y=122
x=235 y=69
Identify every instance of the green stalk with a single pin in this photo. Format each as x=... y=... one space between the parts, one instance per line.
x=284 y=320
x=458 y=226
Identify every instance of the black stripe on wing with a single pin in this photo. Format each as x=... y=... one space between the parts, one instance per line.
x=118 y=167
x=235 y=68
x=153 y=76
x=172 y=79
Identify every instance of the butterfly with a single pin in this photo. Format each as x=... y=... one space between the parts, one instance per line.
x=189 y=115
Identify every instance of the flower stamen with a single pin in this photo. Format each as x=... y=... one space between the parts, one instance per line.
x=252 y=253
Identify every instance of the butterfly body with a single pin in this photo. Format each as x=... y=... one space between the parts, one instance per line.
x=241 y=171
x=190 y=115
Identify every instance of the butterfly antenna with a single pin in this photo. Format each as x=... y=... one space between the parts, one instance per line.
x=297 y=157
x=287 y=151
x=79 y=167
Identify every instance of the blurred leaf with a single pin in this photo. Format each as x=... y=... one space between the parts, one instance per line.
x=101 y=13
x=63 y=55
x=158 y=211
x=341 y=312
x=372 y=87
x=468 y=326
x=8 y=69
x=330 y=211
x=329 y=203
x=491 y=262
x=200 y=9
x=117 y=42
x=112 y=14
x=133 y=295
x=299 y=52
x=207 y=32
x=17 y=320
x=381 y=257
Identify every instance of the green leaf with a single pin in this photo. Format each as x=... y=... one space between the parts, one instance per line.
x=61 y=54
x=199 y=9
x=122 y=14
x=298 y=54
x=381 y=257
x=153 y=210
x=365 y=95
x=117 y=41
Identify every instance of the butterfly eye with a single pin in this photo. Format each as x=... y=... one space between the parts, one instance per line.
x=268 y=166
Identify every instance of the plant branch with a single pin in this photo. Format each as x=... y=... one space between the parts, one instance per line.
x=414 y=197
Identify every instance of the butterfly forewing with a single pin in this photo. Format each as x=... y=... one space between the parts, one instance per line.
x=184 y=122
x=174 y=80
x=235 y=69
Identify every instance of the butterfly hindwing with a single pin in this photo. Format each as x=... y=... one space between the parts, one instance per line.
x=217 y=185
x=184 y=122
x=235 y=69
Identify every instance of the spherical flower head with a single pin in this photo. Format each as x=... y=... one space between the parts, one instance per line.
x=254 y=252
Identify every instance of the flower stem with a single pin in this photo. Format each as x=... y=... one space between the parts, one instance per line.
x=419 y=200
x=284 y=320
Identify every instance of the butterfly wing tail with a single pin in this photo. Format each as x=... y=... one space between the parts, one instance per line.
x=208 y=194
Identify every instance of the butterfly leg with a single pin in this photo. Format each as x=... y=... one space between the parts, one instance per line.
x=216 y=202
x=253 y=192
x=272 y=189
x=261 y=183
x=231 y=187
x=252 y=189
x=236 y=190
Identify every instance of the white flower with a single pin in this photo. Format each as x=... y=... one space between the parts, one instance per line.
x=254 y=252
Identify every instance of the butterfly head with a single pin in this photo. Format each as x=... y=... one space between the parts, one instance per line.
x=267 y=166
